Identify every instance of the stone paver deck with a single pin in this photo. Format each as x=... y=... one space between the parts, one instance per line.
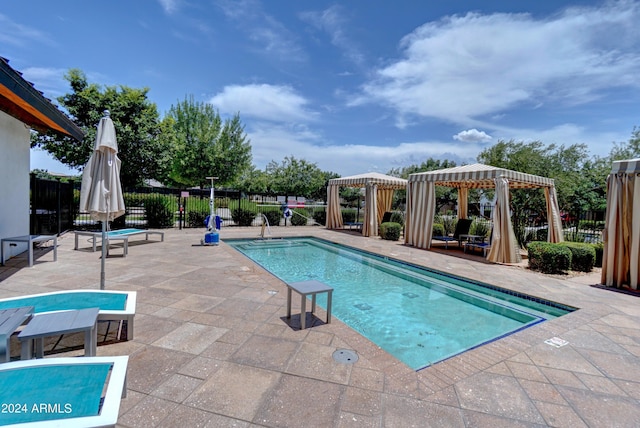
x=213 y=347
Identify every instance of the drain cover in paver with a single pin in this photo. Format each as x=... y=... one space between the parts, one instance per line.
x=345 y=356
x=556 y=341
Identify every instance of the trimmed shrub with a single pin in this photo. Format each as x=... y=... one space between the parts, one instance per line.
x=320 y=216
x=397 y=217
x=349 y=216
x=273 y=216
x=242 y=216
x=480 y=228
x=390 y=231
x=548 y=257
x=159 y=212
x=599 y=249
x=299 y=217
x=438 y=229
x=196 y=218
x=583 y=256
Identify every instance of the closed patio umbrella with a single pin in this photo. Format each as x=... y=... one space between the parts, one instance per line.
x=101 y=192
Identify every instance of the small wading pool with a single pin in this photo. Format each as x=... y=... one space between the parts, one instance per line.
x=418 y=315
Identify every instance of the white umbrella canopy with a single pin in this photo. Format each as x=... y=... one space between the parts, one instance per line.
x=101 y=193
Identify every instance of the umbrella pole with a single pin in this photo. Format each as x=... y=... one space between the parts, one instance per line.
x=104 y=253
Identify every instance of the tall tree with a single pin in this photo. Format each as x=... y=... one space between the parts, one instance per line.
x=135 y=118
x=205 y=146
x=444 y=195
x=295 y=177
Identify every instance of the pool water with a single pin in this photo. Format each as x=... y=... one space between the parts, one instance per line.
x=418 y=315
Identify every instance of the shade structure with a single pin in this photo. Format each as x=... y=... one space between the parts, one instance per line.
x=421 y=203
x=378 y=197
x=621 y=235
x=101 y=193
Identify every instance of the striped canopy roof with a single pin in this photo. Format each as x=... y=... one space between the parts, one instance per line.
x=362 y=180
x=480 y=176
x=626 y=166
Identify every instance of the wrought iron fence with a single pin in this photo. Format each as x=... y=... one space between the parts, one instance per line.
x=52 y=206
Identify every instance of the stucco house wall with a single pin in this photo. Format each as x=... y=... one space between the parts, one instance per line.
x=14 y=180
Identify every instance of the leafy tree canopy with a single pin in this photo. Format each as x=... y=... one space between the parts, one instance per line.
x=205 y=146
x=143 y=155
x=295 y=177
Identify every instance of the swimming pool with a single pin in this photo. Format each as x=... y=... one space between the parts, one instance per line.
x=418 y=315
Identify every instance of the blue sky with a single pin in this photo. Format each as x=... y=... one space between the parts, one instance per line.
x=353 y=86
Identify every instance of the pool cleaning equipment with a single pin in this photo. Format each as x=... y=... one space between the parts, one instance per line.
x=212 y=237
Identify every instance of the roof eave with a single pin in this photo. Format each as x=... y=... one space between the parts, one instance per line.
x=20 y=99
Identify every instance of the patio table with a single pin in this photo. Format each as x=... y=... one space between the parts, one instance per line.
x=306 y=288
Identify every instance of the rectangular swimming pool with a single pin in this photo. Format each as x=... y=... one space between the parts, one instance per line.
x=418 y=315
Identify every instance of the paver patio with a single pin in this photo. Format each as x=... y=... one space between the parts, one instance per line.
x=213 y=347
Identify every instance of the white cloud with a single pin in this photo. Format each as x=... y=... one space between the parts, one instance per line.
x=169 y=6
x=333 y=22
x=268 y=34
x=463 y=68
x=265 y=102
x=472 y=136
x=12 y=33
x=49 y=81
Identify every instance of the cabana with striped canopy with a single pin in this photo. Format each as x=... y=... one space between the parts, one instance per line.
x=621 y=235
x=421 y=204
x=378 y=197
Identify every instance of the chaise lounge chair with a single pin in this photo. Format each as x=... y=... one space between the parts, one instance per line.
x=115 y=235
x=484 y=246
x=462 y=228
x=65 y=392
x=114 y=305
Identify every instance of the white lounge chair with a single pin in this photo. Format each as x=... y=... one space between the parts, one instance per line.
x=115 y=235
x=113 y=305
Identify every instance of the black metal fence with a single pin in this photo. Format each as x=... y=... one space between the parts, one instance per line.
x=52 y=206
x=55 y=209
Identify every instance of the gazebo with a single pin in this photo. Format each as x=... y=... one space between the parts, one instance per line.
x=378 y=197
x=621 y=235
x=421 y=204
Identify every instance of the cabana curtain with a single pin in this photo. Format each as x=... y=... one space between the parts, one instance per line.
x=621 y=235
x=421 y=203
x=378 y=197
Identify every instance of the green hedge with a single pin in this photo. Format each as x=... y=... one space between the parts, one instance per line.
x=390 y=231
x=349 y=215
x=299 y=217
x=548 y=257
x=242 y=216
x=599 y=249
x=320 y=216
x=159 y=212
x=196 y=218
x=273 y=216
x=583 y=256
x=438 y=229
x=397 y=217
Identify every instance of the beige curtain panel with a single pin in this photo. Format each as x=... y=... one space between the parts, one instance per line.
x=375 y=184
x=621 y=236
